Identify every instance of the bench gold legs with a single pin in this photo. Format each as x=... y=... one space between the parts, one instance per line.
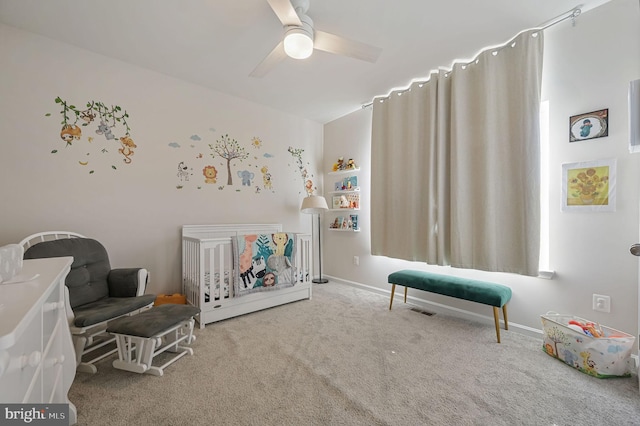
x=497 y=320
x=496 y=312
x=496 y=317
x=393 y=291
x=504 y=315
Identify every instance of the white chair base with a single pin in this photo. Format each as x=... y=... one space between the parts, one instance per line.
x=136 y=354
x=84 y=350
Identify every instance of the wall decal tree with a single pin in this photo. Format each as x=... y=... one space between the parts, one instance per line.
x=229 y=149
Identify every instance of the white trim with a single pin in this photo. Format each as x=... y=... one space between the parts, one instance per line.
x=547 y=275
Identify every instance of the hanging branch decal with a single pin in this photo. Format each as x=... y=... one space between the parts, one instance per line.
x=112 y=125
x=304 y=174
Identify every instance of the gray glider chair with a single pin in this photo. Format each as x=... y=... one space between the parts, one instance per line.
x=94 y=293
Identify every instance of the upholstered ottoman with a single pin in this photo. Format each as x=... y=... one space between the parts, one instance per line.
x=141 y=337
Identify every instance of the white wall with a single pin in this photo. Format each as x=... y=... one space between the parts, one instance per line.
x=136 y=210
x=587 y=67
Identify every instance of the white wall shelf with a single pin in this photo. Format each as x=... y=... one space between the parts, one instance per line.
x=344 y=201
x=346 y=191
x=344 y=171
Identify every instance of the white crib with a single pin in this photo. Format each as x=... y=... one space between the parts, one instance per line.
x=208 y=274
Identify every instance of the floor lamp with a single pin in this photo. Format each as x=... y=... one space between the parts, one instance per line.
x=315 y=204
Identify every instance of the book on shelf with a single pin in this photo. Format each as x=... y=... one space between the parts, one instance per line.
x=353 y=221
x=345 y=223
x=353 y=201
x=347 y=184
x=335 y=202
x=342 y=202
x=350 y=182
x=337 y=223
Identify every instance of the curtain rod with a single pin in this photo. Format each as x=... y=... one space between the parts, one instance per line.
x=571 y=14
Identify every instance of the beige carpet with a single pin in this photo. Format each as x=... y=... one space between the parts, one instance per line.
x=343 y=358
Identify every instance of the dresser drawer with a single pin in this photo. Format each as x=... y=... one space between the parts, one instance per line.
x=51 y=311
x=23 y=364
x=52 y=365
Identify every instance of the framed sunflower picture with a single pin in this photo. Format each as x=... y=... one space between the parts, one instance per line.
x=589 y=186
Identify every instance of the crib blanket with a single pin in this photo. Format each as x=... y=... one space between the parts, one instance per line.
x=263 y=262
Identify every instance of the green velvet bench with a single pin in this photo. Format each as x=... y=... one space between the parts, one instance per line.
x=487 y=293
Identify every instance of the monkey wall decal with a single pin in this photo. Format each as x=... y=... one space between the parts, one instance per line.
x=109 y=121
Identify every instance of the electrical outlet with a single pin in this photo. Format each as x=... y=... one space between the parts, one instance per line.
x=356 y=260
x=601 y=303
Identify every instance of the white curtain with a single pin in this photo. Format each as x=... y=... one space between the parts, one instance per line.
x=455 y=164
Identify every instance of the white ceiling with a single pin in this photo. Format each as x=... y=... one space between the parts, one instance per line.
x=217 y=43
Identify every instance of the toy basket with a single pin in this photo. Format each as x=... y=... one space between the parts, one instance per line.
x=602 y=357
x=176 y=298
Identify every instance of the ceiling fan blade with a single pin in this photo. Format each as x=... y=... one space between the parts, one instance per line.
x=285 y=12
x=332 y=43
x=273 y=58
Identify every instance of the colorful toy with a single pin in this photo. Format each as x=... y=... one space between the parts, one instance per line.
x=339 y=165
x=588 y=328
x=576 y=328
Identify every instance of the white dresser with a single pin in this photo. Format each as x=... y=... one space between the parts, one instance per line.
x=37 y=360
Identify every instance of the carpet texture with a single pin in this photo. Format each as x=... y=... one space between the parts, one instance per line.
x=343 y=358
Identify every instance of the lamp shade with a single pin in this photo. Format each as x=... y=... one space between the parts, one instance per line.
x=314 y=204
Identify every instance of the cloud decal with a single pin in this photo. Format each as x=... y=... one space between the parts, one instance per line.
x=174 y=145
x=195 y=138
x=614 y=349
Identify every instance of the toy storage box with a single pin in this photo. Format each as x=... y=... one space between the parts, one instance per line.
x=176 y=298
x=607 y=356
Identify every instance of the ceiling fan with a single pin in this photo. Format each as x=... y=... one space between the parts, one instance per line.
x=300 y=38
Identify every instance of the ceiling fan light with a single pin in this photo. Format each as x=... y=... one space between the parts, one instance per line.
x=298 y=44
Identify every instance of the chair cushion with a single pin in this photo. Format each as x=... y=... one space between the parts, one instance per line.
x=108 y=308
x=87 y=280
x=153 y=321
